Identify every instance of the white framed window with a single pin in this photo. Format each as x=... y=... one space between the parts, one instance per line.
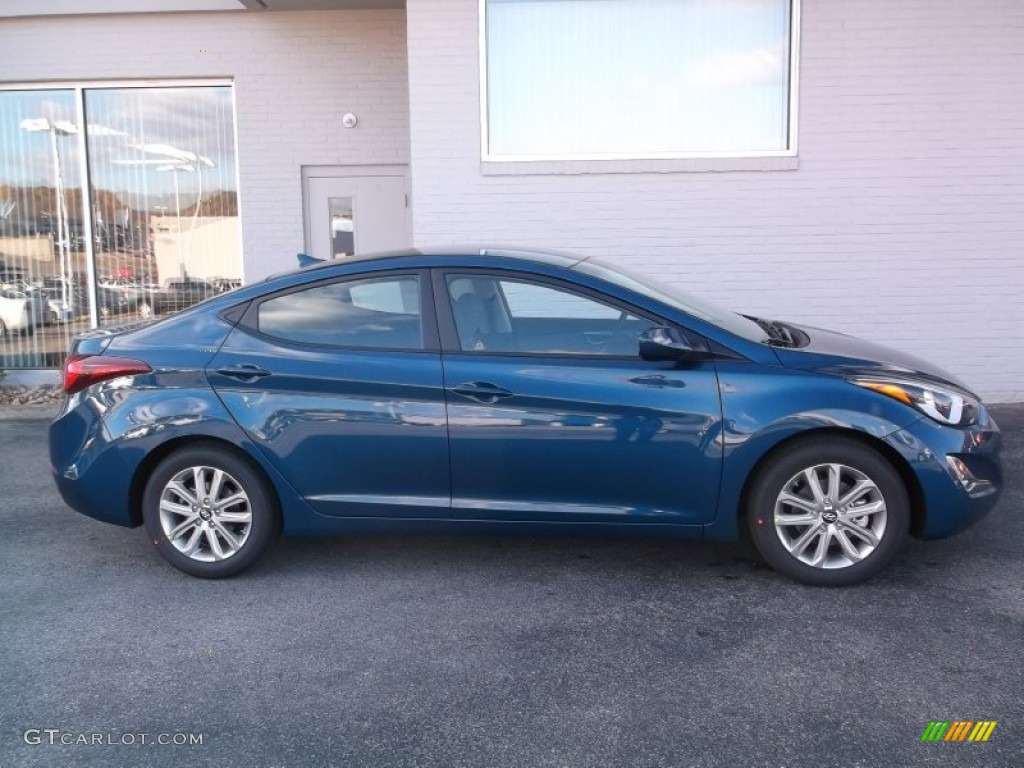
x=638 y=79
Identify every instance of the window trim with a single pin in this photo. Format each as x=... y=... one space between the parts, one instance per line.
x=449 y=335
x=792 y=128
x=249 y=321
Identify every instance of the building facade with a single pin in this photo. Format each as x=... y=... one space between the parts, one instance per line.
x=856 y=166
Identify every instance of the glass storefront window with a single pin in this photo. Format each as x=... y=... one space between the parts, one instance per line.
x=43 y=291
x=160 y=209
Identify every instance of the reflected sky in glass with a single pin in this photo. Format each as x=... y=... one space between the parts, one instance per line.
x=140 y=139
x=625 y=77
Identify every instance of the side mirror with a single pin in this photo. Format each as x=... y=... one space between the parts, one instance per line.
x=665 y=343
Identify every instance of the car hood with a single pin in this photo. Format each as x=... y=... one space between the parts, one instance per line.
x=833 y=352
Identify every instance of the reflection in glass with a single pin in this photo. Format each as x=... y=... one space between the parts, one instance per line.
x=162 y=204
x=635 y=78
x=164 y=198
x=343 y=233
x=42 y=261
x=381 y=313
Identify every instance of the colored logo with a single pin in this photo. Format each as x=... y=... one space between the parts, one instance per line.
x=958 y=730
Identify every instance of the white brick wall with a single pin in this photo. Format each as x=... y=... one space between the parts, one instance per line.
x=904 y=222
x=295 y=75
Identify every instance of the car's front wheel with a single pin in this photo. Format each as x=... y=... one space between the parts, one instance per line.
x=828 y=511
x=209 y=512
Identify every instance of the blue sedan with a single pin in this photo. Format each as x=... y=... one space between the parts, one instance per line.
x=494 y=390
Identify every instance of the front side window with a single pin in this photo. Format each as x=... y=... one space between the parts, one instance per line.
x=666 y=293
x=379 y=313
x=598 y=79
x=501 y=315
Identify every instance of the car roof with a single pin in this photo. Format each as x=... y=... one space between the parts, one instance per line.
x=549 y=258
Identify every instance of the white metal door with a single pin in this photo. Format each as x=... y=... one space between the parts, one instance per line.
x=355 y=214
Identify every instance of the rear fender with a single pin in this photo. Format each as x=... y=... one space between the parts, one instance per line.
x=106 y=433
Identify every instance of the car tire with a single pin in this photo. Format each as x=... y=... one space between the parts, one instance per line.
x=828 y=511
x=193 y=531
x=3 y=329
x=145 y=310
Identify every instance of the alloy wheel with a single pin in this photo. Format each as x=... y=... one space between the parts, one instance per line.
x=205 y=514
x=830 y=516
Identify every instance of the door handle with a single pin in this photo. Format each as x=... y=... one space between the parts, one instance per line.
x=658 y=381
x=246 y=372
x=481 y=391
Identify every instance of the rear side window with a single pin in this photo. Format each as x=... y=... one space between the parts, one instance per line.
x=380 y=313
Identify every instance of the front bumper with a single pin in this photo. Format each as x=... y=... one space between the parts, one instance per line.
x=959 y=472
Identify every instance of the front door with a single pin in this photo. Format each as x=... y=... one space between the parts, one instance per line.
x=553 y=416
x=347 y=214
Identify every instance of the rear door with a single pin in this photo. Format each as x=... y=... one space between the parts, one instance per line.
x=553 y=416
x=339 y=383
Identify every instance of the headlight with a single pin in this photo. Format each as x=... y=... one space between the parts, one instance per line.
x=946 y=406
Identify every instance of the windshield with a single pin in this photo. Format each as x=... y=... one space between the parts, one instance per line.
x=673 y=297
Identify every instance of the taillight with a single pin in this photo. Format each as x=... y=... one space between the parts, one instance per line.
x=85 y=370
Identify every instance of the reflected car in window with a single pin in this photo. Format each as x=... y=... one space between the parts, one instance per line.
x=176 y=294
x=21 y=311
x=65 y=304
x=508 y=391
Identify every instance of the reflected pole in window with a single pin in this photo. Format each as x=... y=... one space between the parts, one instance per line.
x=182 y=161
x=57 y=128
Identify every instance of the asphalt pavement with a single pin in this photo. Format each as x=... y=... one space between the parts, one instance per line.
x=479 y=652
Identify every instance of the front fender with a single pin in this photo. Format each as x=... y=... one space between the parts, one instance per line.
x=762 y=407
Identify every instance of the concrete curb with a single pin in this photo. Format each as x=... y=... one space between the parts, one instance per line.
x=28 y=412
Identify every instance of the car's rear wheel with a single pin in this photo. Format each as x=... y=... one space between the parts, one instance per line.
x=828 y=512
x=209 y=512
x=145 y=310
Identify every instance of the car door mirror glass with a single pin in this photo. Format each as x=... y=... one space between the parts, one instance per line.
x=665 y=343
